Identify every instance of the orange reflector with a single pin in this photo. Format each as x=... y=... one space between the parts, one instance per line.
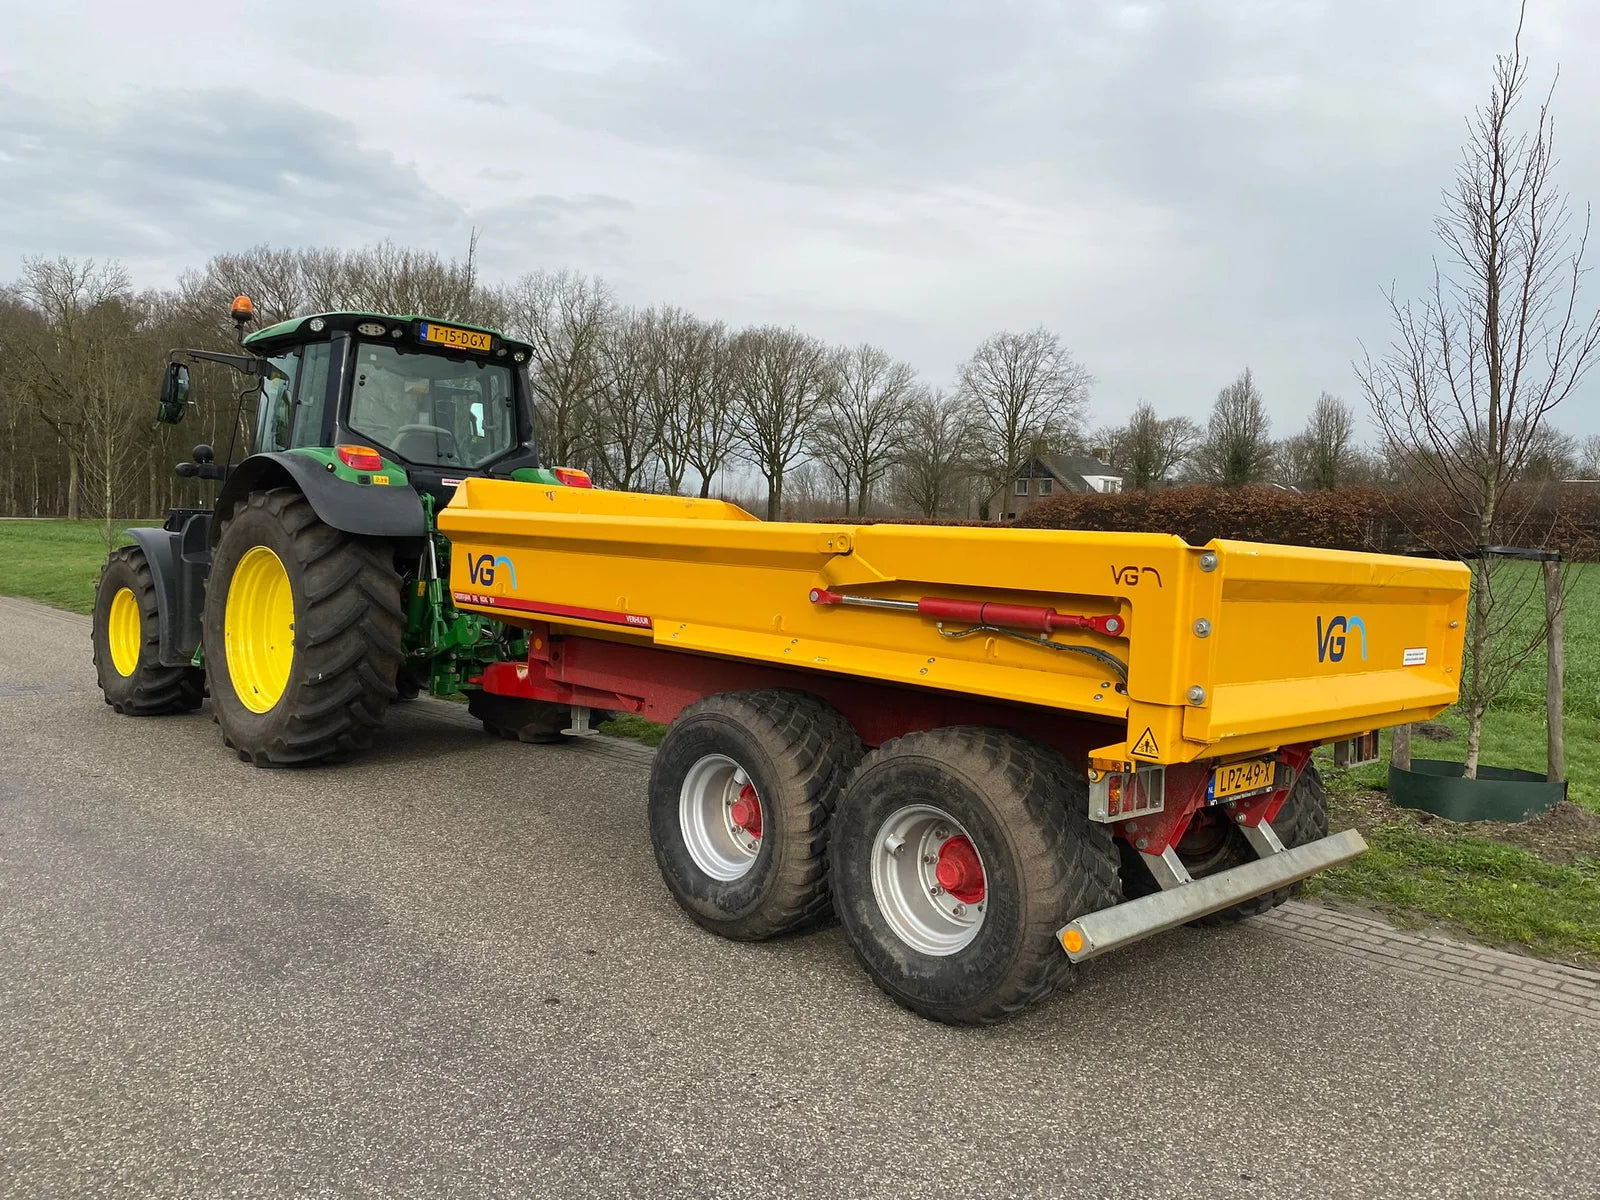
x=1072 y=941
x=243 y=309
x=360 y=458
x=572 y=477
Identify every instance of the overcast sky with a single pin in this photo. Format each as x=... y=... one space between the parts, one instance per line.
x=1177 y=189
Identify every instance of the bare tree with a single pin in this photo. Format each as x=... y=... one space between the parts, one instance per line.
x=626 y=418
x=1588 y=465
x=1150 y=448
x=83 y=305
x=1326 y=447
x=564 y=317
x=678 y=350
x=1023 y=389
x=861 y=425
x=1479 y=363
x=711 y=416
x=934 y=463
x=1552 y=456
x=779 y=379
x=1237 y=447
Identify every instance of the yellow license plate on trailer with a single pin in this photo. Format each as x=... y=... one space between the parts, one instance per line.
x=1236 y=779
x=459 y=339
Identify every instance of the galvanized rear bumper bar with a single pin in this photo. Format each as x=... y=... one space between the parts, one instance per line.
x=1134 y=919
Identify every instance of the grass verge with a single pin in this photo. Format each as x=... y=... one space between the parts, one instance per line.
x=1532 y=886
x=55 y=562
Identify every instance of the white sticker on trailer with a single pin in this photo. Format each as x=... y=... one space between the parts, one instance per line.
x=1416 y=656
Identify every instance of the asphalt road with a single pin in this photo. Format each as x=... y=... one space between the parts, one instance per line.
x=451 y=968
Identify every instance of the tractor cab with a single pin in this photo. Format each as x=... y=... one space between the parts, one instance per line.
x=404 y=397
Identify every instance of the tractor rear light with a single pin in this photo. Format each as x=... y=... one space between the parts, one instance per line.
x=316 y=324
x=370 y=329
x=572 y=477
x=1117 y=795
x=360 y=458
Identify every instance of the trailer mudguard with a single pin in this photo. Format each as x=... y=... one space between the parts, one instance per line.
x=365 y=509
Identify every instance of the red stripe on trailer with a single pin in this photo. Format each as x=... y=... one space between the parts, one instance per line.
x=604 y=616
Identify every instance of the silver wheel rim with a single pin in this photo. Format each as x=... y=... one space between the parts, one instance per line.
x=719 y=845
x=905 y=882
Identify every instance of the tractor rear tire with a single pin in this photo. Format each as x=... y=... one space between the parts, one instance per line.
x=127 y=641
x=785 y=757
x=979 y=944
x=302 y=631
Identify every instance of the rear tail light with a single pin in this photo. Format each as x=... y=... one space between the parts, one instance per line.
x=573 y=477
x=1117 y=795
x=360 y=458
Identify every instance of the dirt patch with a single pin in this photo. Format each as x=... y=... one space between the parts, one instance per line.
x=1433 y=731
x=1562 y=835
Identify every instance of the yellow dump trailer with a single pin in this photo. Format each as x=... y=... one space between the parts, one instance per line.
x=993 y=752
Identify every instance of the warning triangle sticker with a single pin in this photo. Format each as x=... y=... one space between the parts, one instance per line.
x=1146 y=746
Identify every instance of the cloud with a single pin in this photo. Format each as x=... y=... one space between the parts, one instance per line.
x=1177 y=189
x=182 y=175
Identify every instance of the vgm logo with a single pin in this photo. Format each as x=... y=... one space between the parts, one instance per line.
x=481 y=569
x=1334 y=640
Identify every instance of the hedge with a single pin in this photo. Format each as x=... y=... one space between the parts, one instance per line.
x=1564 y=517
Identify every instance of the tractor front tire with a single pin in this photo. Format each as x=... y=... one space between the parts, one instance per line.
x=127 y=642
x=302 y=632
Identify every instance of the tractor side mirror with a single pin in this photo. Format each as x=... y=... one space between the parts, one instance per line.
x=174 y=394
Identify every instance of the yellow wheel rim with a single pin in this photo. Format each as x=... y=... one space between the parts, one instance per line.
x=258 y=626
x=125 y=632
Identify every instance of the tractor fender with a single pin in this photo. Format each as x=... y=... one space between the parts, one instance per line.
x=160 y=548
x=367 y=510
x=178 y=559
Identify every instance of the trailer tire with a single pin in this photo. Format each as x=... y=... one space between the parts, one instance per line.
x=1024 y=810
x=786 y=753
x=316 y=633
x=126 y=634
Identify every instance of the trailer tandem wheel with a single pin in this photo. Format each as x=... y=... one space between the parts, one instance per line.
x=741 y=795
x=957 y=855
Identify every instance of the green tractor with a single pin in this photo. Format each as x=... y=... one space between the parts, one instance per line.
x=314 y=593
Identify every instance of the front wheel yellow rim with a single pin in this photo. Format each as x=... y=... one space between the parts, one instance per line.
x=124 y=632
x=258 y=626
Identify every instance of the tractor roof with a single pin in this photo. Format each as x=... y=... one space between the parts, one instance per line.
x=297 y=329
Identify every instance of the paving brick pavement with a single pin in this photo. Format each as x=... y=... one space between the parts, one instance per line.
x=1425 y=954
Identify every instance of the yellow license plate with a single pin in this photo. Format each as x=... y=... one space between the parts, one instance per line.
x=1235 y=779
x=460 y=339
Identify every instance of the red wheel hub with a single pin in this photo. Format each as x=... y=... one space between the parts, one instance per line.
x=959 y=872
x=746 y=811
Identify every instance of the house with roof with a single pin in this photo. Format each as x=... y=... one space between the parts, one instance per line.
x=1046 y=474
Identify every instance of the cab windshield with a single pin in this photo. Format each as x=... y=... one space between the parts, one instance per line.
x=432 y=410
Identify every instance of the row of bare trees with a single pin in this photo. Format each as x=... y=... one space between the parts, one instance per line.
x=645 y=398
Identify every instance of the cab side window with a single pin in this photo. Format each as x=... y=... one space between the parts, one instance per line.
x=311 y=398
x=275 y=414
